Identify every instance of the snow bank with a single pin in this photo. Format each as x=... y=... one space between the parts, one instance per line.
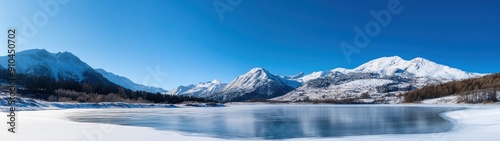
x=453 y=99
x=28 y=104
x=478 y=123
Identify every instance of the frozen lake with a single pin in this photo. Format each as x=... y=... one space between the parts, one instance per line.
x=279 y=121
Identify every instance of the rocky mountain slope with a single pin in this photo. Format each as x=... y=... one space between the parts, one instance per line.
x=62 y=65
x=258 y=83
x=65 y=65
x=204 y=89
x=382 y=80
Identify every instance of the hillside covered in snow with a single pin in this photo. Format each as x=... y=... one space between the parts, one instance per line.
x=383 y=80
x=204 y=89
x=258 y=83
x=67 y=66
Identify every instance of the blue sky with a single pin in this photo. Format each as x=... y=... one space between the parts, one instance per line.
x=189 y=43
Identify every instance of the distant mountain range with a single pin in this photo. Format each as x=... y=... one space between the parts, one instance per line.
x=204 y=89
x=62 y=65
x=65 y=65
x=381 y=80
x=418 y=67
x=127 y=83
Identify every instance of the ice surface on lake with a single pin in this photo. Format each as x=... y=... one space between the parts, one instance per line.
x=280 y=122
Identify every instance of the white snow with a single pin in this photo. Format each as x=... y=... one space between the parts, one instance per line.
x=350 y=89
x=364 y=83
x=304 y=78
x=180 y=89
x=453 y=99
x=62 y=64
x=419 y=67
x=478 y=123
x=200 y=90
x=249 y=80
x=312 y=76
x=419 y=71
x=28 y=104
x=255 y=78
x=341 y=70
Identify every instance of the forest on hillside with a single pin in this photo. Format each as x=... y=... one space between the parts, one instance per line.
x=472 y=90
x=68 y=90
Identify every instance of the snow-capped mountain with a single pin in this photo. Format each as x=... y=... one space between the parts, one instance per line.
x=380 y=80
x=302 y=78
x=65 y=65
x=418 y=67
x=62 y=65
x=179 y=90
x=204 y=89
x=127 y=83
x=380 y=88
x=258 y=83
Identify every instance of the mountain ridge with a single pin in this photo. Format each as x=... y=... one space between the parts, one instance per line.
x=65 y=65
x=202 y=89
x=61 y=65
x=258 y=83
x=393 y=73
x=127 y=83
x=380 y=79
x=418 y=66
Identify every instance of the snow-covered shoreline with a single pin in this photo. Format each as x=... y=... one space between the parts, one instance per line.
x=28 y=104
x=478 y=122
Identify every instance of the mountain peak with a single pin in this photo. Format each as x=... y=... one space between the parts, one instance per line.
x=393 y=58
x=389 y=59
x=30 y=51
x=257 y=73
x=216 y=81
x=58 y=65
x=65 y=53
x=256 y=70
x=382 y=64
x=203 y=89
x=65 y=65
x=67 y=56
x=420 y=60
x=418 y=66
x=34 y=53
x=256 y=84
x=341 y=70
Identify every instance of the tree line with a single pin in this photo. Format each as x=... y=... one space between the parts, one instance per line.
x=470 y=90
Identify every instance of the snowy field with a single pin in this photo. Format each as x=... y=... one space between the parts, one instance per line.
x=477 y=123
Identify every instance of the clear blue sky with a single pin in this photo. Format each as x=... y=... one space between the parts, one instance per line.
x=191 y=44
